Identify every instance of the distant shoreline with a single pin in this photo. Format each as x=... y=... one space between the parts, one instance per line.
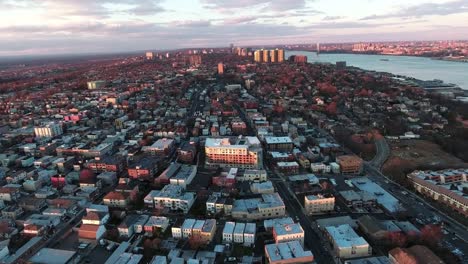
x=463 y=60
x=396 y=65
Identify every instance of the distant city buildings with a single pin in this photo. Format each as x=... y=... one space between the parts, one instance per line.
x=49 y=129
x=220 y=68
x=298 y=58
x=96 y=85
x=341 y=65
x=195 y=60
x=243 y=51
x=150 y=55
x=273 y=56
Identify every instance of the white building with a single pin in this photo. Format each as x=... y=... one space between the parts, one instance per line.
x=187 y=227
x=346 y=243
x=171 y=197
x=228 y=232
x=201 y=229
x=239 y=233
x=249 y=234
x=317 y=204
x=320 y=167
x=198 y=226
x=162 y=146
x=269 y=223
x=95 y=84
x=176 y=232
x=335 y=167
x=288 y=232
x=287 y=253
x=269 y=206
x=50 y=129
x=262 y=187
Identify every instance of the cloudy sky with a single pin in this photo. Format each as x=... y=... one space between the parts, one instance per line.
x=84 y=26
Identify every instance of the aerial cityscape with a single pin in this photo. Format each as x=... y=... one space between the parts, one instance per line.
x=240 y=132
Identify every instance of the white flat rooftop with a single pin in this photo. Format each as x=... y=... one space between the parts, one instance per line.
x=278 y=140
x=345 y=236
x=286 y=251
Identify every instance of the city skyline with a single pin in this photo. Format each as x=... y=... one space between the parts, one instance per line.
x=59 y=27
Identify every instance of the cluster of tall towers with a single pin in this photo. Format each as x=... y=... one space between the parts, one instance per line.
x=274 y=55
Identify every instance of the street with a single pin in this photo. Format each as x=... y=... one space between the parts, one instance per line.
x=312 y=236
x=382 y=153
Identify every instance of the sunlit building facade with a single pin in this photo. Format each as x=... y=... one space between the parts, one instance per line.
x=242 y=152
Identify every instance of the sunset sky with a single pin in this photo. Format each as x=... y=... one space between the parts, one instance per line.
x=88 y=26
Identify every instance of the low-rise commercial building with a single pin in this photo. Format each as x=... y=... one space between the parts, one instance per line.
x=289 y=168
x=350 y=164
x=269 y=206
x=282 y=144
x=253 y=175
x=346 y=243
x=183 y=174
x=262 y=187
x=162 y=147
x=318 y=204
x=288 y=232
x=288 y=253
x=358 y=199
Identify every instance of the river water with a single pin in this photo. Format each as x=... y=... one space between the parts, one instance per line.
x=416 y=67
